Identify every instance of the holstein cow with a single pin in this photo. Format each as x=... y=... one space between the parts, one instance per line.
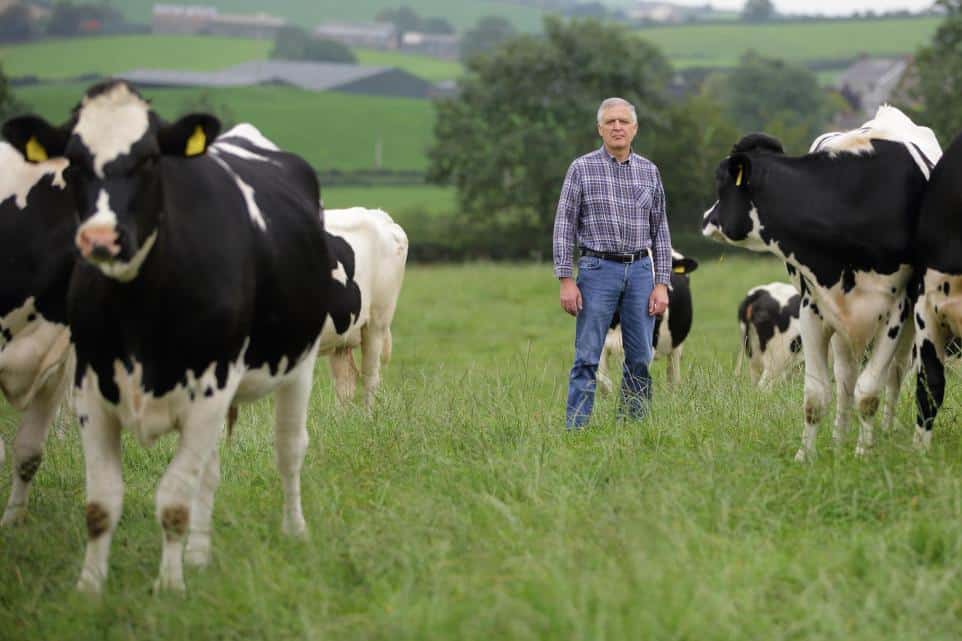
x=938 y=311
x=371 y=250
x=671 y=329
x=771 y=336
x=36 y=361
x=843 y=220
x=206 y=278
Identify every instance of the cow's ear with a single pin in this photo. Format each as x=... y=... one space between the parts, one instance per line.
x=189 y=136
x=36 y=138
x=740 y=169
x=684 y=265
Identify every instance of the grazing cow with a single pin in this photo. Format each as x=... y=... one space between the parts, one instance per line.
x=938 y=311
x=842 y=218
x=770 y=333
x=371 y=249
x=671 y=329
x=36 y=241
x=205 y=278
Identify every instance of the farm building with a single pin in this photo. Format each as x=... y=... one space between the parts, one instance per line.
x=311 y=76
x=205 y=20
x=869 y=83
x=373 y=35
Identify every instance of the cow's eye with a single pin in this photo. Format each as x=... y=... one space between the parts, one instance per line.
x=144 y=164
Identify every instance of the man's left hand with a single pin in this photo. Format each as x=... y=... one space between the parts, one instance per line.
x=658 y=301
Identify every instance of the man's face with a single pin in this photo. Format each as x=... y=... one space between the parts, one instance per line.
x=617 y=128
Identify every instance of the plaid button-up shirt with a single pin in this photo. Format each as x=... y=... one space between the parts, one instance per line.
x=608 y=206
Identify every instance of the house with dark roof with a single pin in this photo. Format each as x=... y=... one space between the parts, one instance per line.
x=372 y=35
x=310 y=76
x=868 y=83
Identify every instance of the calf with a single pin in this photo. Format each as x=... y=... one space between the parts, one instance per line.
x=36 y=360
x=770 y=334
x=371 y=249
x=671 y=329
x=842 y=218
x=205 y=278
x=938 y=311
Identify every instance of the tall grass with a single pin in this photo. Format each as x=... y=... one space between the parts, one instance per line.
x=462 y=509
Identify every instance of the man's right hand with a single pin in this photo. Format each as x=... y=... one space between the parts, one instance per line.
x=570 y=296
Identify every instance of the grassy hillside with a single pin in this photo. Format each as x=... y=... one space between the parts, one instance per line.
x=426 y=67
x=461 y=509
x=331 y=130
x=308 y=13
x=714 y=45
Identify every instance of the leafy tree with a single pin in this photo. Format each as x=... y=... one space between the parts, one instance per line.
x=762 y=94
x=15 y=23
x=938 y=76
x=294 y=43
x=489 y=32
x=404 y=18
x=758 y=10
x=524 y=111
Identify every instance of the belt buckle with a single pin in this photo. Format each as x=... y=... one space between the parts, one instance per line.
x=631 y=258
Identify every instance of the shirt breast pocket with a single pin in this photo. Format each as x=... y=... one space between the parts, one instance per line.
x=643 y=197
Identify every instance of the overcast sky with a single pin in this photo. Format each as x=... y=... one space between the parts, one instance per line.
x=826 y=7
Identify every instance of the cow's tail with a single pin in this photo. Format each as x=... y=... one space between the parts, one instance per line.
x=742 y=348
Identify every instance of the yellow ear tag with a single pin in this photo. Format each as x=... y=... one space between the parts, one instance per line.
x=35 y=151
x=679 y=270
x=197 y=142
x=738 y=180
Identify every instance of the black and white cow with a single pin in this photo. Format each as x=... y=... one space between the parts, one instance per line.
x=371 y=249
x=36 y=360
x=671 y=328
x=771 y=336
x=842 y=218
x=205 y=278
x=938 y=311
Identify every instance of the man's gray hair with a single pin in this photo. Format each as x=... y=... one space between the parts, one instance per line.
x=608 y=103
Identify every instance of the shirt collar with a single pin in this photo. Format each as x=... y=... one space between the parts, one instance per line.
x=631 y=154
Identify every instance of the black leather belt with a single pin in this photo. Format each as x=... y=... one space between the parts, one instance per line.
x=618 y=258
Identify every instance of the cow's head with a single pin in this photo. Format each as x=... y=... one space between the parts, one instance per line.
x=116 y=146
x=682 y=264
x=734 y=218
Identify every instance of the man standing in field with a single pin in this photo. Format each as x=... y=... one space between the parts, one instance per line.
x=613 y=207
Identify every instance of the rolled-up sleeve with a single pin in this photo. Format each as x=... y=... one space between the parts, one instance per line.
x=660 y=236
x=566 y=222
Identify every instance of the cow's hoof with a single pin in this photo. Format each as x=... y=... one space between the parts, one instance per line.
x=90 y=585
x=169 y=585
x=861 y=451
x=922 y=440
x=14 y=515
x=804 y=456
x=295 y=528
x=197 y=554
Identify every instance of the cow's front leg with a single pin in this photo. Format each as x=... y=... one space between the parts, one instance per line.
x=845 y=377
x=673 y=367
x=200 y=432
x=291 y=401
x=28 y=446
x=815 y=337
x=100 y=436
x=201 y=513
x=874 y=374
x=900 y=365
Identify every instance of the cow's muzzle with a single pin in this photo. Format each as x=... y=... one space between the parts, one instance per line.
x=97 y=242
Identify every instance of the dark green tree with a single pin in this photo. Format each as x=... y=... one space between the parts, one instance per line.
x=937 y=74
x=436 y=25
x=15 y=23
x=762 y=94
x=9 y=104
x=489 y=32
x=524 y=111
x=758 y=10
x=404 y=18
x=294 y=43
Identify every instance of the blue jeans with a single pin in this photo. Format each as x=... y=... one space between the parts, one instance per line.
x=606 y=287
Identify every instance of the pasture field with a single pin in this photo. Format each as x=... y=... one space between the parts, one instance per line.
x=405 y=203
x=461 y=509
x=309 y=13
x=71 y=57
x=331 y=130
x=721 y=44
x=432 y=69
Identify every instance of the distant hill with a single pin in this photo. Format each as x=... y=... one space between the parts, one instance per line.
x=308 y=13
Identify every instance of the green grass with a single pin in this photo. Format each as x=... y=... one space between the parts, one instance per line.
x=114 y=54
x=402 y=202
x=720 y=45
x=462 y=510
x=309 y=13
x=330 y=129
x=433 y=69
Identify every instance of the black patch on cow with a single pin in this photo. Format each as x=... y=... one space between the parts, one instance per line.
x=894 y=331
x=848 y=280
x=758 y=142
x=930 y=385
x=761 y=311
x=796 y=345
x=345 y=298
x=28 y=468
x=7 y=334
x=208 y=391
x=915 y=352
x=919 y=322
x=945 y=288
x=82 y=419
x=815 y=310
x=790 y=269
x=680 y=310
x=31 y=317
